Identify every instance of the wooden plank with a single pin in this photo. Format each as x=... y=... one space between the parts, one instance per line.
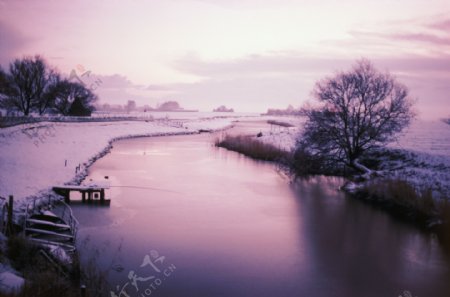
x=48 y=242
x=46 y=232
x=81 y=188
x=47 y=223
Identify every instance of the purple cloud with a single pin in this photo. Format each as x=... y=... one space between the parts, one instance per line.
x=376 y=38
x=434 y=32
x=259 y=65
x=115 y=81
x=297 y=64
x=279 y=79
x=421 y=37
x=154 y=87
x=442 y=25
x=11 y=42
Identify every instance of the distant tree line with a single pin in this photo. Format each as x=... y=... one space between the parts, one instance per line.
x=289 y=111
x=130 y=106
x=223 y=108
x=31 y=86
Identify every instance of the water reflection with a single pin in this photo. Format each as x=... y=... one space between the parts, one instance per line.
x=236 y=227
x=360 y=251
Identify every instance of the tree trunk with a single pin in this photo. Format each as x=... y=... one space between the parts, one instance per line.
x=361 y=168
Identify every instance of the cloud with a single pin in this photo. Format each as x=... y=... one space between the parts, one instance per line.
x=282 y=78
x=246 y=94
x=247 y=4
x=154 y=87
x=441 y=25
x=118 y=81
x=419 y=65
x=297 y=64
x=257 y=82
x=119 y=96
x=421 y=37
x=289 y=63
x=11 y=42
x=115 y=81
x=433 y=30
x=118 y=89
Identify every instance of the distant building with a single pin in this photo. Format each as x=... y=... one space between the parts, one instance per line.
x=223 y=108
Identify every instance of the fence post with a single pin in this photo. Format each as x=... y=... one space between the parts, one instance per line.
x=83 y=290
x=9 y=224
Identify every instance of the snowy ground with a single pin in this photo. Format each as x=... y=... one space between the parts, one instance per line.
x=279 y=136
x=423 y=170
x=35 y=157
x=183 y=115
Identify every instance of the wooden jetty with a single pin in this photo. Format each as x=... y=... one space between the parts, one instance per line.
x=94 y=194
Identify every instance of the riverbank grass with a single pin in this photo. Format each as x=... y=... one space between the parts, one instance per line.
x=401 y=194
x=252 y=148
x=42 y=277
x=280 y=123
x=417 y=206
x=45 y=275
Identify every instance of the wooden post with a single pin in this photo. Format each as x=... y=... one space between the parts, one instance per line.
x=67 y=196
x=9 y=224
x=102 y=195
x=83 y=290
x=83 y=196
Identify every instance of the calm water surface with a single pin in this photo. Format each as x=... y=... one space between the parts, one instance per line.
x=189 y=219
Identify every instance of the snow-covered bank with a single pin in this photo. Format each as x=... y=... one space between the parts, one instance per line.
x=281 y=137
x=34 y=157
x=424 y=150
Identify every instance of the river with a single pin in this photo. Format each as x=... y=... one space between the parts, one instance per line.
x=190 y=219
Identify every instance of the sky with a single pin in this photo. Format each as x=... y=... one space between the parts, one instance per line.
x=246 y=54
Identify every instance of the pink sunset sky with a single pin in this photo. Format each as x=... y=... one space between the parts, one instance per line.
x=246 y=54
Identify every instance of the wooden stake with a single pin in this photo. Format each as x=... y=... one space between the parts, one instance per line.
x=9 y=224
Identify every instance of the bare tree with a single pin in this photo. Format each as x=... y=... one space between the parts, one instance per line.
x=66 y=93
x=359 y=110
x=32 y=86
x=48 y=97
x=6 y=91
x=4 y=85
x=28 y=78
x=63 y=97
